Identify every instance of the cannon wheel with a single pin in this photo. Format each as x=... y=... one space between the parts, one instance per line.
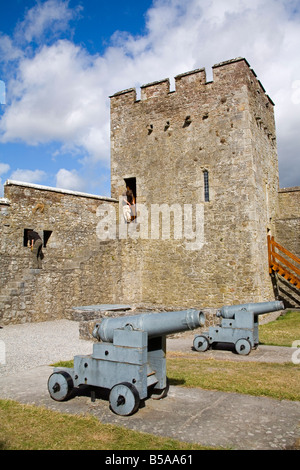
x=201 y=343
x=242 y=346
x=124 y=399
x=60 y=385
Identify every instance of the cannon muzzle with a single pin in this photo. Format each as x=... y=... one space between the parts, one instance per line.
x=155 y=324
x=255 y=308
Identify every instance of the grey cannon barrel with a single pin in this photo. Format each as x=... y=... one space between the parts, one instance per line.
x=256 y=308
x=155 y=324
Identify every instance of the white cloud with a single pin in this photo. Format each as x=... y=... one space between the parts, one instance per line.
x=57 y=97
x=4 y=168
x=66 y=179
x=296 y=92
x=28 y=176
x=2 y=92
x=51 y=16
x=60 y=92
x=8 y=50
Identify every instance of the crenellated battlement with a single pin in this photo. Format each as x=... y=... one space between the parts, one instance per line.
x=155 y=89
x=227 y=73
x=192 y=78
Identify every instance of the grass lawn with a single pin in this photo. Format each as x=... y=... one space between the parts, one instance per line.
x=281 y=332
x=27 y=427
x=281 y=381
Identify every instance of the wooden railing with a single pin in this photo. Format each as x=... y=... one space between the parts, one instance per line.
x=282 y=262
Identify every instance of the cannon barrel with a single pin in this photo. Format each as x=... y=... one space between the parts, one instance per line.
x=255 y=308
x=155 y=324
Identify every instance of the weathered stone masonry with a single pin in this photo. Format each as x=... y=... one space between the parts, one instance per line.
x=78 y=269
x=288 y=235
x=206 y=146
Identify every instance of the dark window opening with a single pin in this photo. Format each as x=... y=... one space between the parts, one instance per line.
x=47 y=235
x=206 y=186
x=25 y=236
x=131 y=198
x=131 y=185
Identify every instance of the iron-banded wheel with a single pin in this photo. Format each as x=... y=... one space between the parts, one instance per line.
x=60 y=385
x=201 y=343
x=243 y=346
x=124 y=399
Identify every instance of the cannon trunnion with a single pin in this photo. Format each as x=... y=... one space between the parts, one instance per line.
x=239 y=326
x=129 y=361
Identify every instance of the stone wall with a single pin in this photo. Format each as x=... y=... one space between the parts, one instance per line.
x=288 y=220
x=78 y=268
x=288 y=235
x=169 y=142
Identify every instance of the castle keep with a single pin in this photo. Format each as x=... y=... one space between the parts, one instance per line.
x=202 y=164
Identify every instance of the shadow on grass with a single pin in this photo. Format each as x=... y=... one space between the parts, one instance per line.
x=176 y=381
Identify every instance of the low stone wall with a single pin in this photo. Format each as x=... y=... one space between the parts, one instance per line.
x=89 y=316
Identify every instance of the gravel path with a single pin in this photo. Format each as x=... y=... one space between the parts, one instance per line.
x=35 y=344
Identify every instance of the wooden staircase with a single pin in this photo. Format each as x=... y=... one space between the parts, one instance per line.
x=282 y=262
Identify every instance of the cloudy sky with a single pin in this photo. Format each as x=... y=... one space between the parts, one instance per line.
x=60 y=60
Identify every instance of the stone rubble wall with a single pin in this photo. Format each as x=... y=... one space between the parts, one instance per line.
x=77 y=269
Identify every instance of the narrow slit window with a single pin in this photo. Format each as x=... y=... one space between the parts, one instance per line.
x=206 y=186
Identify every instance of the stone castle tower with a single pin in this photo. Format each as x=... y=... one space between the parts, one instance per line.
x=207 y=148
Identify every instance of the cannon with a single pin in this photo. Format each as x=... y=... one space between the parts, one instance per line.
x=128 y=361
x=239 y=326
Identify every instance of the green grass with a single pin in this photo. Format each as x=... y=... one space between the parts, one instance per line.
x=280 y=381
x=26 y=427
x=281 y=332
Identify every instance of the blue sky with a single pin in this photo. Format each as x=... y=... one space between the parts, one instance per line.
x=60 y=60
